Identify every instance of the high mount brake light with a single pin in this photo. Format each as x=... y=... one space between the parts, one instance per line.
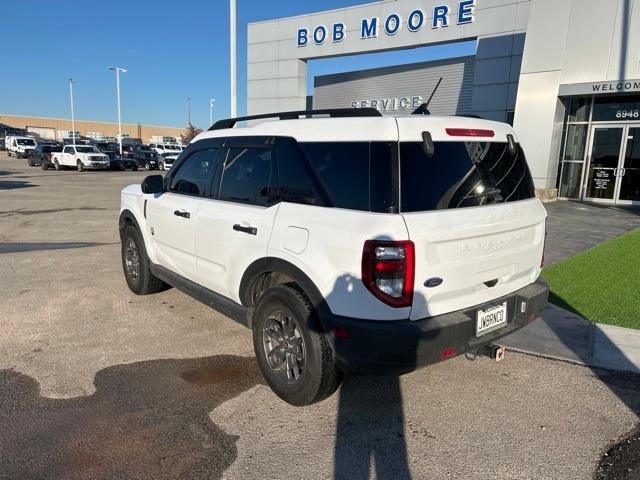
x=388 y=269
x=470 y=132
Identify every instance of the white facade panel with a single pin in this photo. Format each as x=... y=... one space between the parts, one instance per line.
x=531 y=54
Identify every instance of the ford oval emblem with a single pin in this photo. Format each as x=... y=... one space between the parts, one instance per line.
x=433 y=282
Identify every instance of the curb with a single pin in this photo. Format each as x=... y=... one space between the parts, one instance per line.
x=561 y=335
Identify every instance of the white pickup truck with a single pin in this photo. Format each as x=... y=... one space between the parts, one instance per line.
x=81 y=157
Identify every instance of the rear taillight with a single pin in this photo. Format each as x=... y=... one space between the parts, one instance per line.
x=470 y=132
x=49 y=157
x=388 y=271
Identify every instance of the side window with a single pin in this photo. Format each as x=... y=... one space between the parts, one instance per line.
x=296 y=180
x=193 y=176
x=247 y=176
x=67 y=150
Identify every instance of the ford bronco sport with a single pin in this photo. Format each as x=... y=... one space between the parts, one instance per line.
x=351 y=242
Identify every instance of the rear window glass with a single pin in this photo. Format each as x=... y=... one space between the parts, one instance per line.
x=462 y=174
x=353 y=175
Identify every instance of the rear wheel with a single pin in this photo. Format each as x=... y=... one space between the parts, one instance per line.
x=44 y=165
x=56 y=165
x=136 y=264
x=291 y=348
x=30 y=162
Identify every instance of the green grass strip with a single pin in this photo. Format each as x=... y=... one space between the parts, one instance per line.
x=601 y=284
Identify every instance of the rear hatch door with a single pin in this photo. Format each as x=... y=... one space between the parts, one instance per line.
x=471 y=212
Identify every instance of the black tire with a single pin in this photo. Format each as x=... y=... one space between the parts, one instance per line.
x=44 y=165
x=147 y=166
x=30 y=162
x=135 y=168
x=56 y=165
x=143 y=282
x=80 y=166
x=318 y=377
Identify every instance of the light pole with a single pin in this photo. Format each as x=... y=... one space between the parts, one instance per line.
x=212 y=105
x=118 y=70
x=73 y=121
x=232 y=30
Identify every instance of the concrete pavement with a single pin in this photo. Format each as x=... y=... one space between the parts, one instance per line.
x=96 y=382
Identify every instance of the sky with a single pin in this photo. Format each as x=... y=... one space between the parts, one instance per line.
x=172 y=50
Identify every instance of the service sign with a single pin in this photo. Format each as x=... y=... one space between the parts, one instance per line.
x=372 y=27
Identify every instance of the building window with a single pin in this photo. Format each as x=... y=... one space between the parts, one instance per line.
x=574 y=144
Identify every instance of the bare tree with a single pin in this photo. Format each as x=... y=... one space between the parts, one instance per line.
x=190 y=134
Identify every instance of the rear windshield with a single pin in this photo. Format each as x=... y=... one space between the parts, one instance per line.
x=461 y=174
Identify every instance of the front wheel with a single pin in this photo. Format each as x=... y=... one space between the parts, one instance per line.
x=291 y=348
x=80 y=166
x=136 y=264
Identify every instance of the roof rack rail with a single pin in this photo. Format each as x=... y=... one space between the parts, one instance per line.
x=331 y=112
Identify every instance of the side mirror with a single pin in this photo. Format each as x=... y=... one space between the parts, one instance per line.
x=153 y=184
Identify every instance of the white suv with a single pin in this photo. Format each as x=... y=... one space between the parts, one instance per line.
x=354 y=243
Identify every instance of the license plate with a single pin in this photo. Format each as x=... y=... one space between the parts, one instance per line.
x=491 y=318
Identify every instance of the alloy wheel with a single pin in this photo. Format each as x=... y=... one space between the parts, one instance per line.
x=132 y=259
x=283 y=345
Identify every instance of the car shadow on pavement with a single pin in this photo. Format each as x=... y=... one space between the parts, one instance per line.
x=20 y=247
x=13 y=185
x=370 y=429
x=145 y=420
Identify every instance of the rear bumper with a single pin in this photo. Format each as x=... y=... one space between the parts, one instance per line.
x=395 y=347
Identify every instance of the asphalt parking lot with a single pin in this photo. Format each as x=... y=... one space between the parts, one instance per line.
x=96 y=382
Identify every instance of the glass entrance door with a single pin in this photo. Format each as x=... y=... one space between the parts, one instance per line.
x=604 y=160
x=629 y=191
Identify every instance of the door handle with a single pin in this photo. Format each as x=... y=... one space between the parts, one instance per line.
x=249 y=230
x=183 y=214
x=615 y=172
x=624 y=171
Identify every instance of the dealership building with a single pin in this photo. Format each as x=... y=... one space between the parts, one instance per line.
x=565 y=73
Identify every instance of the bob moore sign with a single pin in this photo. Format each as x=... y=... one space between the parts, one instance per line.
x=371 y=27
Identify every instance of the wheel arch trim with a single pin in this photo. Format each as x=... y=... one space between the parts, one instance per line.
x=275 y=264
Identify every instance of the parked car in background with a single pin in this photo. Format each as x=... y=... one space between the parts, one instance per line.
x=166 y=148
x=110 y=149
x=129 y=150
x=146 y=157
x=19 y=146
x=82 y=157
x=123 y=163
x=42 y=154
x=167 y=159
